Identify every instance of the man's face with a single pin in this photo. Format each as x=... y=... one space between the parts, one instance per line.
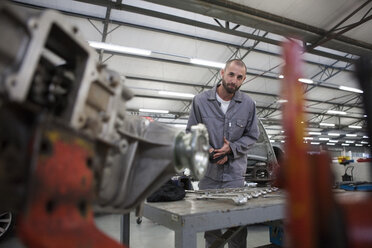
x=233 y=77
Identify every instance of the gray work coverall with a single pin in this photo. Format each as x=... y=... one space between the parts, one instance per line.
x=239 y=127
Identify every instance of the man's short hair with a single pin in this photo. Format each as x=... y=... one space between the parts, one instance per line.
x=238 y=62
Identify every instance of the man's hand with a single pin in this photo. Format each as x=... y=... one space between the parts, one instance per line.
x=224 y=150
x=222 y=160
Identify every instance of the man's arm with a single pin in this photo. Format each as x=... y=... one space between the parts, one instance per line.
x=195 y=116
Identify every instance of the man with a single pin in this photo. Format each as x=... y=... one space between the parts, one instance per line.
x=230 y=117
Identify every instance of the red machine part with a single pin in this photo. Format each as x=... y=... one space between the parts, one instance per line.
x=300 y=226
x=315 y=217
x=59 y=213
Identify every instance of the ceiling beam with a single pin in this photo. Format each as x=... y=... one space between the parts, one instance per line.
x=250 y=17
x=217 y=28
x=79 y=15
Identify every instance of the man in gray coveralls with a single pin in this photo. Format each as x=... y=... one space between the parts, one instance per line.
x=230 y=117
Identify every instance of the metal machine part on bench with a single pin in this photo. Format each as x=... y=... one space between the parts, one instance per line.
x=54 y=94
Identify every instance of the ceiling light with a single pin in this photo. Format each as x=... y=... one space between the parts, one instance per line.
x=364 y=115
x=352 y=126
x=170 y=93
x=327 y=124
x=331 y=144
x=343 y=144
x=365 y=137
x=315 y=133
x=281 y=76
x=333 y=134
x=351 y=135
x=349 y=141
x=207 y=63
x=283 y=141
x=333 y=141
x=282 y=101
x=364 y=142
x=323 y=138
x=315 y=143
x=336 y=112
x=117 y=48
x=358 y=145
x=350 y=89
x=306 y=80
x=179 y=125
x=308 y=138
x=272 y=141
x=154 y=111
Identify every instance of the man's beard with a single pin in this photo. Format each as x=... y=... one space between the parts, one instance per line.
x=229 y=89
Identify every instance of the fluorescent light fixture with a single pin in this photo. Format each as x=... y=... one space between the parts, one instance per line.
x=154 y=111
x=170 y=93
x=365 y=137
x=349 y=141
x=343 y=144
x=351 y=135
x=120 y=49
x=283 y=141
x=323 y=138
x=357 y=127
x=282 y=101
x=350 y=89
x=315 y=133
x=315 y=143
x=272 y=141
x=281 y=76
x=333 y=141
x=207 y=63
x=179 y=125
x=358 y=145
x=336 y=112
x=306 y=80
x=327 y=124
x=308 y=138
x=333 y=134
x=364 y=115
x=331 y=144
x=364 y=142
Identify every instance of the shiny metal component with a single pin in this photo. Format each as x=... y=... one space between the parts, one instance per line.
x=192 y=150
x=153 y=152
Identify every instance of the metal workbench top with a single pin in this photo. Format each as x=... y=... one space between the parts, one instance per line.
x=189 y=216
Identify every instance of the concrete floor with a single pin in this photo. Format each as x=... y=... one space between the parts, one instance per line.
x=150 y=234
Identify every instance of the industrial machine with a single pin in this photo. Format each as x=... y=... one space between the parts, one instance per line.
x=66 y=144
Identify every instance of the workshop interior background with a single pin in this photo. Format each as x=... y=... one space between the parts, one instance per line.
x=169 y=51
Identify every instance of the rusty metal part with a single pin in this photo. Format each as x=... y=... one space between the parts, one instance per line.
x=58 y=212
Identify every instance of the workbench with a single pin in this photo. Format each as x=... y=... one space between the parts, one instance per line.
x=190 y=216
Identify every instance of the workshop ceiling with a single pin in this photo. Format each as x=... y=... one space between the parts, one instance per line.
x=335 y=33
